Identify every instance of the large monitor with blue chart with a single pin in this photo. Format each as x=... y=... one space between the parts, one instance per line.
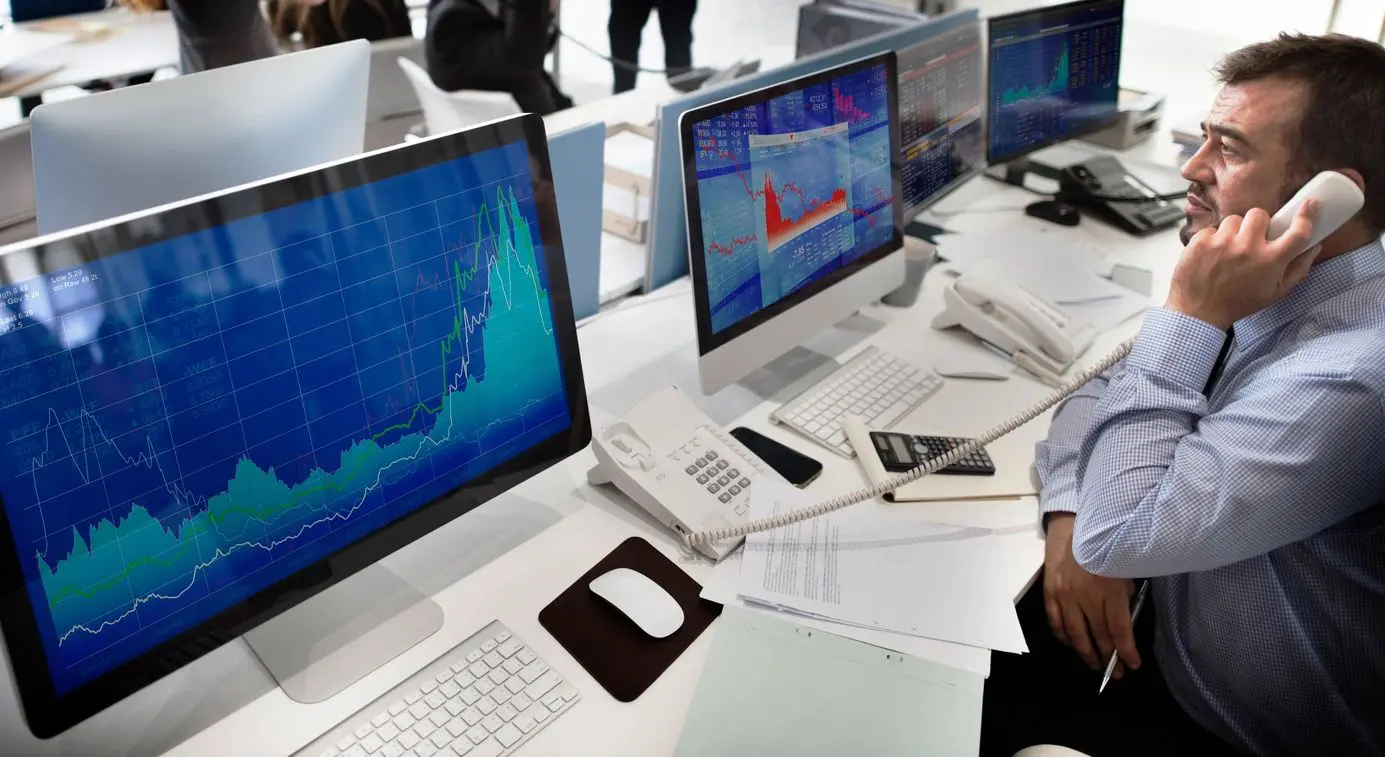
x=1054 y=75
x=219 y=408
x=793 y=211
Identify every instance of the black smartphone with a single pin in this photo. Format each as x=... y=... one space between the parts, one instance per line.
x=796 y=467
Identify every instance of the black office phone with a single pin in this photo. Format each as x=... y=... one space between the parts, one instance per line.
x=1101 y=186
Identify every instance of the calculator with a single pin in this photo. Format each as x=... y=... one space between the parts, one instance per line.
x=900 y=453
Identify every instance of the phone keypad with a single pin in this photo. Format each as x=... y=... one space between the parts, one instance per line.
x=719 y=477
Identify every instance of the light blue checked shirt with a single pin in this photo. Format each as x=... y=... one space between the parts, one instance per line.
x=1260 y=512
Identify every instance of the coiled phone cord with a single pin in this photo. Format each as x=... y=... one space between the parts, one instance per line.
x=932 y=466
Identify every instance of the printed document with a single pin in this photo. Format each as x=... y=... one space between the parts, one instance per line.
x=881 y=567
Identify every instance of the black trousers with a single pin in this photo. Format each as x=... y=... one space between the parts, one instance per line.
x=628 y=18
x=1049 y=696
x=484 y=63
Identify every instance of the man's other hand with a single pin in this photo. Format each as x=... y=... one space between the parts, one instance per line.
x=1087 y=612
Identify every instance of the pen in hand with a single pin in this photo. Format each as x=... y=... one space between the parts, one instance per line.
x=1134 y=616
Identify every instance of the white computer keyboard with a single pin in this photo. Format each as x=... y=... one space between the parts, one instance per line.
x=483 y=698
x=875 y=386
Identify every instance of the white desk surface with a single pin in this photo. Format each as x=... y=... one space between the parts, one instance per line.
x=475 y=567
x=137 y=43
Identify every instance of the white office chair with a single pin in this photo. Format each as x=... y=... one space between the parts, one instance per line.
x=449 y=111
x=16 y=185
x=391 y=93
x=1048 y=750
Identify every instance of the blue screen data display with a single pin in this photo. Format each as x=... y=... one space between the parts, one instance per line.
x=1054 y=73
x=791 y=189
x=194 y=420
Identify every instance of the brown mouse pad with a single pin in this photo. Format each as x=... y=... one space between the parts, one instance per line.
x=616 y=652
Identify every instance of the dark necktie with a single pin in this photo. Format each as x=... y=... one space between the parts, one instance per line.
x=1220 y=365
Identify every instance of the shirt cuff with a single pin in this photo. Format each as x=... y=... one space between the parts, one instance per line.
x=1178 y=347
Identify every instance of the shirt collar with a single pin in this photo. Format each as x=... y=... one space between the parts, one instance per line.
x=1325 y=280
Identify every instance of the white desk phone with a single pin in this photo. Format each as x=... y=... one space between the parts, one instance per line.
x=676 y=463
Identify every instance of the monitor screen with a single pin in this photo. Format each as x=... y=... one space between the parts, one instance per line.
x=790 y=189
x=1054 y=75
x=201 y=404
x=940 y=115
x=35 y=10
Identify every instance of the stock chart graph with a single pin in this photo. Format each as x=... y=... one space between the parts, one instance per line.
x=259 y=395
x=1052 y=77
x=792 y=188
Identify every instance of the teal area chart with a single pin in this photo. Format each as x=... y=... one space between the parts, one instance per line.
x=192 y=421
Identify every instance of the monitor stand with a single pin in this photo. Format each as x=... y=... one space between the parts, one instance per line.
x=339 y=636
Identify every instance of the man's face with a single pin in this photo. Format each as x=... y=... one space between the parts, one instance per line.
x=1245 y=160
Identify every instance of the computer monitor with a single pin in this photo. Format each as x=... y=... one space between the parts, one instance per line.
x=135 y=148
x=793 y=212
x=1053 y=75
x=668 y=229
x=36 y=10
x=826 y=24
x=219 y=409
x=941 y=115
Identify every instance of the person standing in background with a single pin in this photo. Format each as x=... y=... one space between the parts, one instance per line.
x=216 y=33
x=333 y=21
x=495 y=46
x=626 y=26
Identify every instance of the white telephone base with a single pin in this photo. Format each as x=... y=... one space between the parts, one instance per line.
x=680 y=466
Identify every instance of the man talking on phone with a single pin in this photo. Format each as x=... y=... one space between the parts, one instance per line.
x=1236 y=459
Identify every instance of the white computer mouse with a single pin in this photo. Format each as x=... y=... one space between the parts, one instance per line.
x=641 y=600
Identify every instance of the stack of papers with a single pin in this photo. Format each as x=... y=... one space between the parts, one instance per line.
x=887 y=571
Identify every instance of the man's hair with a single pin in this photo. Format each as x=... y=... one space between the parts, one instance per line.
x=1344 y=79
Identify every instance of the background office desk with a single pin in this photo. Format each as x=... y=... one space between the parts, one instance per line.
x=135 y=44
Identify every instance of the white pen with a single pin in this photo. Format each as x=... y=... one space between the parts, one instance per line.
x=1134 y=616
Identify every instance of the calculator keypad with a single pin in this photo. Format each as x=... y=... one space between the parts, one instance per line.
x=929 y=447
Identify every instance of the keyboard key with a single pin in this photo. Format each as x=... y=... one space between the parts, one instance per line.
x=489 y=646
x=474 y=655
x=380 y=720
x=470 y=696
x=424 y=728
x=346 y=743
x=472 y=716
x=542 y=714
x=362 y=732
x=509 y=648
x=515 y=685
x=404 y=722
x=712 y=454
x=498 y=676
x=372 y=744
x=506 y=712
x=525 y=723
x=457 y=726
x=485 y=686
x=443 y=677
x=439 y=718
x=425 y=749
x=521 y=702
x=461 y=747
x=413 y=697
x=397 y=708
x=477 y=734
x=388 y=732
x=392 y=750
x=455 y=707
x=543 y=685
x=450 y=689
x=441 y=738
x=434 y=700
x=501 y=695
x=420 y=711
x=459 y=667
x=508 y=735
x=464 y=680
x=408 y=739
x=355 y=751
x=486 y=705
x=428 y=687
x=493 y=660
x=690 y=470
x=526 y=656
x=492 y=723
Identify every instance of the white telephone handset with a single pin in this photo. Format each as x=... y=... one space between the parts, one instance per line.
x=1340 y=200
x=1016 y=321
x=680 y=466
